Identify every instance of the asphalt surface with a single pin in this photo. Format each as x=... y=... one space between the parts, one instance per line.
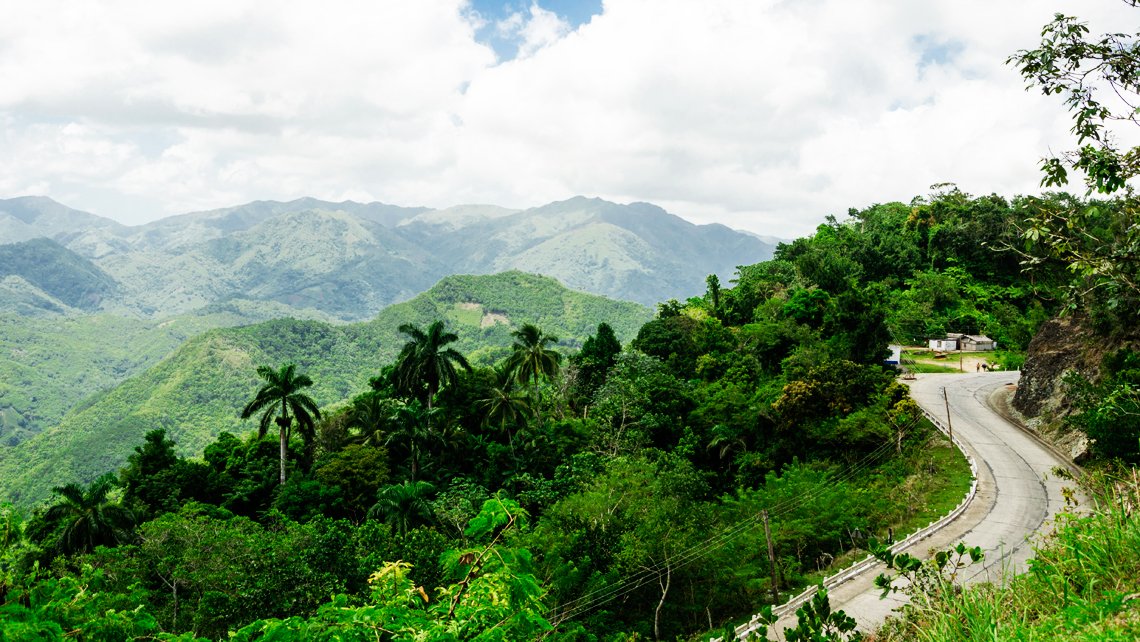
x=1018 y=493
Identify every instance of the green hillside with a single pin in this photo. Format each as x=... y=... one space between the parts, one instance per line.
x=197 y=392
x=50 y=363
x=58 y=272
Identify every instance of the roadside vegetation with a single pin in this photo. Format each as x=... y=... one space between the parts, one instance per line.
x=1083 y=583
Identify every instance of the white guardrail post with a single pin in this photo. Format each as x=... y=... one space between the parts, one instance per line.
x=746 y=629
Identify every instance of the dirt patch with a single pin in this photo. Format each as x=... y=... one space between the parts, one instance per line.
x=469 y=306
x=492 y=318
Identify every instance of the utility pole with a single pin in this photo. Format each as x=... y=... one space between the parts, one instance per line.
x=771 y=559
x=949 y=426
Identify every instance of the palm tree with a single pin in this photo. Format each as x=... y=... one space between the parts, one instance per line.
x=370 y=415
x=88 y=518
x=725 y=441
x=530 y=359
x=424 y=365
x=411 y=428
x=405 y=505
x=282 y=390
x=504 y=406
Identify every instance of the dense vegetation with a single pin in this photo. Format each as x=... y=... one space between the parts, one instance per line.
x=478 y=479
x=588 y=491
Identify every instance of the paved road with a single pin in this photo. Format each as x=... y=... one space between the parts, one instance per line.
x=1017 y=497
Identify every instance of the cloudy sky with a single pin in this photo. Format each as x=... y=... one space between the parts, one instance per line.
x=765 y=115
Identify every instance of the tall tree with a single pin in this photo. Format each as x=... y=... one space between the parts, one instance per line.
x=410 y=430
x=283 y=389
x=530 y=358
x=425 y=364
x=1100 y=243
x=504 y=407
x=713 y=283
x=594 y=360
x=149 y=480
x=404 y=506
x=87 y=518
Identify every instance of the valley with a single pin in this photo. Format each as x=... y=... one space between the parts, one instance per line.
x=192 y=389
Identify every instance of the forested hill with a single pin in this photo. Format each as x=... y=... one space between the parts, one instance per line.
x=40 y=275
x=197 y=392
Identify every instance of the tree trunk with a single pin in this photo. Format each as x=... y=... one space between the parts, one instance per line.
x=283 y=429
x=664 y=591
x=284 y=452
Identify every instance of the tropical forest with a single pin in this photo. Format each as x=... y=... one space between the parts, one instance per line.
x=500 y=458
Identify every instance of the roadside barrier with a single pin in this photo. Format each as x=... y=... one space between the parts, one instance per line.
x=860 y=567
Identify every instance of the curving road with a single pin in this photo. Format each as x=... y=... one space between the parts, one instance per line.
x=1018 y=493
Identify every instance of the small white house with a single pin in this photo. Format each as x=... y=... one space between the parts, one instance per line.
x=977 y=343
x=945 y=345
x=964 y=342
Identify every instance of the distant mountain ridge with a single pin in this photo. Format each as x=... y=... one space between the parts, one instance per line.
x=352 y=259
x=58 y=274
x=28 y=217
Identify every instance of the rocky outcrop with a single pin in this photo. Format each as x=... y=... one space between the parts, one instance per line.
x=1062 y=345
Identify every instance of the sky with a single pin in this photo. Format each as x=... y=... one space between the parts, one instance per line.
x=763 y=115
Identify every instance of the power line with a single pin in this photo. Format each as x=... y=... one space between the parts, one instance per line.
x=599 y=597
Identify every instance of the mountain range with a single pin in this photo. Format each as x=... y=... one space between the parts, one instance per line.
x=347 y=260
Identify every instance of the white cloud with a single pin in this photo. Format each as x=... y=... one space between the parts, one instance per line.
x=533 y=30
x=763 y=114
x=543 y=28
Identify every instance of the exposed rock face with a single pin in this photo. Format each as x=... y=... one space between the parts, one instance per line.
x=1062 y=345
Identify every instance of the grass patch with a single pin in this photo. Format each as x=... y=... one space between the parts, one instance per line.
x=919 y=367
x=467 y=314
x=923 y=361
x=941 y=480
